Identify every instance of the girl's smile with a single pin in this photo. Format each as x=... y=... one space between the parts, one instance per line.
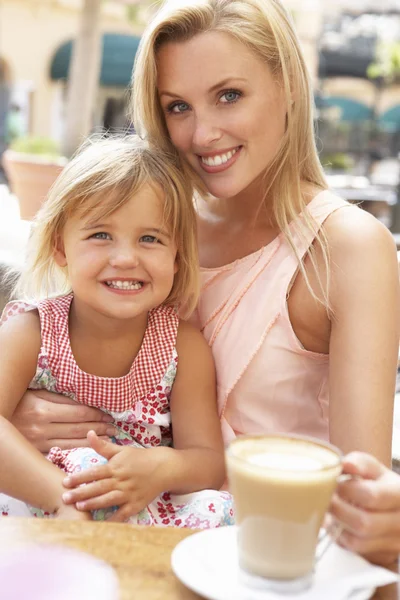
x=125 y=265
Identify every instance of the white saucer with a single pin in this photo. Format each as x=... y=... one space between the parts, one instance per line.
x=207 y=563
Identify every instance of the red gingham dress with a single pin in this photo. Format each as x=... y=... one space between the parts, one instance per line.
x=138 y=402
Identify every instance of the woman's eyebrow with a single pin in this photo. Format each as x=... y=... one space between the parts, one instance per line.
x=220 y=84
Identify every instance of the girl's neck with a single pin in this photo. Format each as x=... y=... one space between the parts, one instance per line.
x=102 y=326
x=103 y=346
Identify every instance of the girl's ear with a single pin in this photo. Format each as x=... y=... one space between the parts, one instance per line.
x=176 y=264
x=59 y=252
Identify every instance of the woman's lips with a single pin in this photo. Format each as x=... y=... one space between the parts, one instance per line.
x=224 y=165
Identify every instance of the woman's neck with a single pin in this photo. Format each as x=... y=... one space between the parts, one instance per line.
x=247 y=209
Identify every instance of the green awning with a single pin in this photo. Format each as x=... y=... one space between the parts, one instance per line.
x=118 y=55
x=349 y=109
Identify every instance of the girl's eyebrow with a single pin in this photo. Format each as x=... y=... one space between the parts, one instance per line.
x=94 y=225
x=157 y=231
x=220 y=84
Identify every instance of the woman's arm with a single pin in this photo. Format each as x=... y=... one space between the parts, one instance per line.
x=364 y=338
x=46 y=419
x=24 y=472
x=363 y=358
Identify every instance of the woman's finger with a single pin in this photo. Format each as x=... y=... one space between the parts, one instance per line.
x=70 y=444
x=77 y=431
x=87 y=476
x=362 y=523
x=384 y=546
x=364 y=465
x=74 y=413
x=380 y=495
x=91 y=490
x=105 y=501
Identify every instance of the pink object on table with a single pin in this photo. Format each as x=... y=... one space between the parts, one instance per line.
x=55 y=573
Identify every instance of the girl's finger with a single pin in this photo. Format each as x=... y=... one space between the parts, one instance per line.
x=87 y=476
x=91 y=490
x=120 y=515
x=108 y=500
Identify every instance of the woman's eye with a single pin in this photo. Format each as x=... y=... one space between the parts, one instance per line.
x=177 y=107
x=101 y=235
x=149 y=239
x=230 y=96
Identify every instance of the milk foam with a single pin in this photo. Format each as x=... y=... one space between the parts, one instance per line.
x=285 y=462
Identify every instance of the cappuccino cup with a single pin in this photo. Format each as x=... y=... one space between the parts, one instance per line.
x=282 y=486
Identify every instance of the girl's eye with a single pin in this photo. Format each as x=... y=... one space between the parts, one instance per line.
x=149 y=239
x=230 y=96
x=177 y=108
x=101 y=235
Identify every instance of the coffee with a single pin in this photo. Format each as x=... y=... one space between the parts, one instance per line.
x=282 y=487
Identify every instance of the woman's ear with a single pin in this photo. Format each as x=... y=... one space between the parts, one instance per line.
x=59 y=252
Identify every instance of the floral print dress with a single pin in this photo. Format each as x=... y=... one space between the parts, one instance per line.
x=138 y=403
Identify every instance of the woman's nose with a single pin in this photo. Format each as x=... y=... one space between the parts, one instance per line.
x=206 y=131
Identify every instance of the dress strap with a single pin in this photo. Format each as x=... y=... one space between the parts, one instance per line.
x=15 y=307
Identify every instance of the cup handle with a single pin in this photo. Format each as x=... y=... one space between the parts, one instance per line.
x=331 y=534
x=328 y=537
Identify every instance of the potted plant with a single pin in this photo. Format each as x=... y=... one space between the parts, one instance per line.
x=32 y=164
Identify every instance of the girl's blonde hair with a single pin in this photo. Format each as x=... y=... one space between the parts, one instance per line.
x=103 y=176
x=264 y=27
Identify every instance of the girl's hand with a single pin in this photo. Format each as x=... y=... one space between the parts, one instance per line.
x=369 y=509
x=71 y=513
x=131 y=479
x=48 y=419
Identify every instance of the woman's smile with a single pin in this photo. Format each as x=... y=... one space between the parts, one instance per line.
x=219 y=161
x=223 y=113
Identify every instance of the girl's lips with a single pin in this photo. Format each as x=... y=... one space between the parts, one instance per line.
x=124 y=292
x=224 y=166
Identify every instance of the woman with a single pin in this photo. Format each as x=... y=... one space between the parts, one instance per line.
x=300 y=290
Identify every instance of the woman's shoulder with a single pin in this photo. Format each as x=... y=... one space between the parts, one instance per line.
x=352 y=229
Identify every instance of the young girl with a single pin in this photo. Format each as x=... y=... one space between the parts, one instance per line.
x=115 y=247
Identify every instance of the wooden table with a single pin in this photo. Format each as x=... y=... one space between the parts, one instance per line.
x=141 y=556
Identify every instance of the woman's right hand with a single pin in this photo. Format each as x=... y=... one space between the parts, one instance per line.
x=47 y=419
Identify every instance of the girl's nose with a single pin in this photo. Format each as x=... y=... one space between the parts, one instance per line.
x=125 y=257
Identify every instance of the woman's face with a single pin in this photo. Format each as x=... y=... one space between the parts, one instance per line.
x=224 y=111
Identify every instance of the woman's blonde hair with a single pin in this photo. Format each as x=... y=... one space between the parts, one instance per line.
x=265 y=28
x=103 y=176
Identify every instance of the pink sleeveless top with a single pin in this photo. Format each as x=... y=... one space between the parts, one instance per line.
x=267 y=382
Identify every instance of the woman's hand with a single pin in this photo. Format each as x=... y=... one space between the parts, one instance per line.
x=131 y=479
x=369 y=509
x=48 y=420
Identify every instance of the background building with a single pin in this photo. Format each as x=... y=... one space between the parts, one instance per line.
x=34 y=36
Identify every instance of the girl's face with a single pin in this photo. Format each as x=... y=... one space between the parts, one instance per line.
x=224 y=111
x=123 y=265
